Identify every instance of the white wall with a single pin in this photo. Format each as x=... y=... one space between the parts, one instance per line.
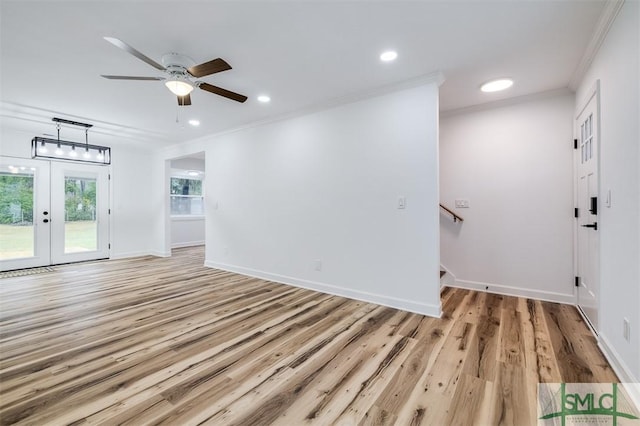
x=187 y=231
x=188 y=164
x=514 y=164
x=616 y=65
x=325 y=186
x=130 y=182
x=131 y=204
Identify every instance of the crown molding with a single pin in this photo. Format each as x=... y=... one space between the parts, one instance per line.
x=431 y=78
x=607 y=17
x=19 y=116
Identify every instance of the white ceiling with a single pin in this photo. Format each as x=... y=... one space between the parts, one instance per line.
x=301 y=53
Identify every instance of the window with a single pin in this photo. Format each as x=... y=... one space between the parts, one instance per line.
x=186 y=197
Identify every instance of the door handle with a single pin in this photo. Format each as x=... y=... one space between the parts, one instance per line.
x=593 y=225
x=45 y=220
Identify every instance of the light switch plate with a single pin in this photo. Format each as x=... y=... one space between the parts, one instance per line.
x=462 y=203
x=402 y=202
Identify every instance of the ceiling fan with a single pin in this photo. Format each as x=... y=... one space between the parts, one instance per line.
x=180 y=70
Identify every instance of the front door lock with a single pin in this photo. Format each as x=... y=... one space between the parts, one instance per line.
x=593 y=225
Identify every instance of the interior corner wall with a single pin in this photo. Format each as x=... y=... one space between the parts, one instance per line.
x=130 y=203
x=312 y=201
x=514 y=164
x=616 y=66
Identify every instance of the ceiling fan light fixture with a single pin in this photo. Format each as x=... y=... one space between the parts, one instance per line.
x=179 y=86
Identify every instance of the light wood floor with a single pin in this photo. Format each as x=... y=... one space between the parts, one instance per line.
x=167 y=341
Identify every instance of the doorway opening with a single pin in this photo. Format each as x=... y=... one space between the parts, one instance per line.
x=186 y=201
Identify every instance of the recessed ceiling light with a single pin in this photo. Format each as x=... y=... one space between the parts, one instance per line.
x=388 y=56
x=264 y=99
x=194 y=122
x=497 y=85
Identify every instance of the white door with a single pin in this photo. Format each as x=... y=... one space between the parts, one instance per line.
x=79 y=212
x=52 y=213
x=588 y=241
x=24 y=213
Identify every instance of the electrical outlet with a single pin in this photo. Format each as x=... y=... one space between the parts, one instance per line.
x=626 y=329
x=462 y=204
x=318 y=265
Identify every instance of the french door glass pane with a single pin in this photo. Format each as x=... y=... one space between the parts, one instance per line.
x=16 y=212
x=80 y=229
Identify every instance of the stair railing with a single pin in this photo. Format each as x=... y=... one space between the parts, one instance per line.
x=455 y=217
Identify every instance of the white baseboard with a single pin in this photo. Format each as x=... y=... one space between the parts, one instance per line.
x=448 y=279
x=127 y=255
x=515 y=291
x=187 y=244
x=392 y=302
x=630 y=383
x=159 y=253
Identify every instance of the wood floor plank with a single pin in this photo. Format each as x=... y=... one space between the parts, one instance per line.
x=167 y=341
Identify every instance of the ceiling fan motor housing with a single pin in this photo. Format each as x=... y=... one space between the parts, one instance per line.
x=177 y=64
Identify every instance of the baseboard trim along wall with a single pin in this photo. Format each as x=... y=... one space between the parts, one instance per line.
x=515 y=291
x=448 y=279
x=127 y=255
x=159 y=253
x=187 y=244
x=392 y=302
x=631 y=383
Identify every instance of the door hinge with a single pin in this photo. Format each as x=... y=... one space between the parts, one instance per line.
x=110 y=212
x=577 y=282
x=575 y=212
x=109 y=246
x=109 y=175
x=575 y=144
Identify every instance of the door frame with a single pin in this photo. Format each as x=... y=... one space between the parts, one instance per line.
x=593 y=92
x=43 y=202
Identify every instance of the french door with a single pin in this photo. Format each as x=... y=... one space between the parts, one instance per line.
x=52 y=212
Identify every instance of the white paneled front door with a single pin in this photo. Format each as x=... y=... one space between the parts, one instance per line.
x=587 y=185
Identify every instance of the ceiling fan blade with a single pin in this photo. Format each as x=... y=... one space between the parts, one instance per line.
x=124 y=46
x=208 y=68
x=130 y=77
x=222 y=92
x=184 y=100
